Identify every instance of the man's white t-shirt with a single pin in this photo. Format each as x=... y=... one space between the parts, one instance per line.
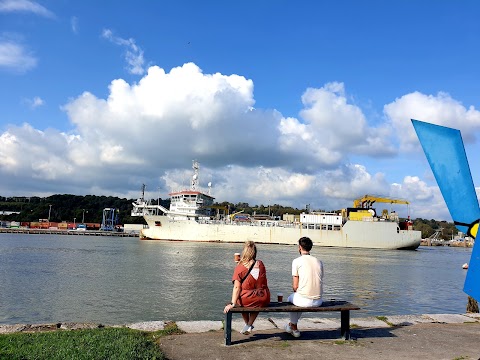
x=310 y=273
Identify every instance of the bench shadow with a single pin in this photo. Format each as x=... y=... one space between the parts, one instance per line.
x=314 y=334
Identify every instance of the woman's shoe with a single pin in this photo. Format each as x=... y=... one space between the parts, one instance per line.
x=247 y=329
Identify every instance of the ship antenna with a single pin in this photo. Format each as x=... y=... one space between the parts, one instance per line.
x=194 y=181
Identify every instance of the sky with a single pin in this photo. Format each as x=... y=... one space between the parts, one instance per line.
x=280 y=102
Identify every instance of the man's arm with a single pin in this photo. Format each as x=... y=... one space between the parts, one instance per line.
x=295 y=283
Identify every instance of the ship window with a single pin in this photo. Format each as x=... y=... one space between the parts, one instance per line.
x=324 y=227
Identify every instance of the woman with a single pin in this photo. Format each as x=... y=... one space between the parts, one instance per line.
x=249 y=285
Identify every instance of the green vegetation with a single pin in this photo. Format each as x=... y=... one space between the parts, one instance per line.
x=68 y=207
x=90 y=208
x=274 y=210
x=428 y=228
x=385 y=320
x=104 y=343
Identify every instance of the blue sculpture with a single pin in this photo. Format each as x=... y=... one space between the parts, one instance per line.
x=446 y=155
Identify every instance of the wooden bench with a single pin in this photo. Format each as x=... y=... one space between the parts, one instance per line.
x=334 y=305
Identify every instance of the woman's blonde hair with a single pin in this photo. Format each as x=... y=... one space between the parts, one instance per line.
x=249 y=252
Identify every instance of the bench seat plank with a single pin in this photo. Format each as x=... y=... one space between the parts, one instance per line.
x=287 y=307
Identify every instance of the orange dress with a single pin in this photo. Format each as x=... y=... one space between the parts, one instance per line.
x=254 y=292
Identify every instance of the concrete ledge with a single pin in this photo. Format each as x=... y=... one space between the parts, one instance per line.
x=148 y=325
x=199 y=326
x=449 y=318
x=7 y=329
x=369 y=322
x=262 y=323
x=405 y=320
x=475 y=316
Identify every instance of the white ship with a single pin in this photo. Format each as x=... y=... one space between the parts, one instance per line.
x=194 y=217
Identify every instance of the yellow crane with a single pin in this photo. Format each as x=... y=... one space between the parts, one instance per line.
x=232 y=216
x=367 y=201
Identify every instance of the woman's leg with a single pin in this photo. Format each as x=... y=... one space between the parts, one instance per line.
x=246 y=317
x=253 y=316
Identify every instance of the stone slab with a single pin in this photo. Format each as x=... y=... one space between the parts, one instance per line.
x=405 y=320
x=199 y=326
x=473 y=316
x=148 y=325
x=370 y=322
x=7 y=329
x=449 y=318
x=79 y=326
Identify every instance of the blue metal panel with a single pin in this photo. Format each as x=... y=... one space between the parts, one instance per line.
x=446 y=155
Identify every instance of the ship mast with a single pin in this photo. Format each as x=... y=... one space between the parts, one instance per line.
x=194 y=181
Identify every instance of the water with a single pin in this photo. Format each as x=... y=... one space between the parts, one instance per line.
x=109 y=280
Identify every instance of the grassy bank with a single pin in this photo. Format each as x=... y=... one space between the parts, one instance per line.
x=104 y=343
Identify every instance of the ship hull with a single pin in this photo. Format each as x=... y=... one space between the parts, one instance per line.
x=353 y=234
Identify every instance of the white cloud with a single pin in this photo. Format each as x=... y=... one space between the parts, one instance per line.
x=13 y=56
x=332 y=128
x=191 y=114
x=133 y=53
x=43 y=158
x=25 y=6
x=35 y=102
x=149 y=131
x=348 y=182
x=74 y=24
x=426 y=201
x=327 y=190
x=441 y=109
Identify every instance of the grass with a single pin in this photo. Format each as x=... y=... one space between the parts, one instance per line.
x=385 y=320
x=88 y=344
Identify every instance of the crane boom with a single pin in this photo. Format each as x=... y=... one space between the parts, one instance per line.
x=367 y=201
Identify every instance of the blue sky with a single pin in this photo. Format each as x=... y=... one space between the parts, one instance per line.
x=305 y=102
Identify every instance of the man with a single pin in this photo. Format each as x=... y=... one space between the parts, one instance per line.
x=307 y=283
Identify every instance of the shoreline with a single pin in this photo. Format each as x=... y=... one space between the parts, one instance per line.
x=30 y=231
x=262 y=323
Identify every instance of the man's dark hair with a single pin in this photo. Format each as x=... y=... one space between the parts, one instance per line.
x=305 y=243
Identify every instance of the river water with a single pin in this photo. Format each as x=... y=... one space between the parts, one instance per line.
x=110 y=280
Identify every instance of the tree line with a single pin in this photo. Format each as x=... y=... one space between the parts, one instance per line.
x=58 y=208
x=90 y=209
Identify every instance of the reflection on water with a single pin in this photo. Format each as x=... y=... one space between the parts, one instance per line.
x=47 y=278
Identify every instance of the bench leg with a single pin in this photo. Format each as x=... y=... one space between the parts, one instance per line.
x=345 y=324
x=228 y=328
